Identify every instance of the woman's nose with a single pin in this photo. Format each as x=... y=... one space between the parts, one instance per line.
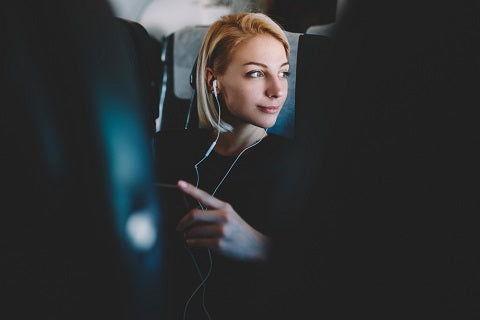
x=276 y=88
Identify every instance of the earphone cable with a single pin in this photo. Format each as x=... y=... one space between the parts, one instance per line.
x=205 y=278
x=202 y=284
x=236 y=159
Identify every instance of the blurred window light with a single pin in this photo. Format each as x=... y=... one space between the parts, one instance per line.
x=141 y=231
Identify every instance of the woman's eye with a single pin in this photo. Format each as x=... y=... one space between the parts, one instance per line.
x=255 y=74
x=284 y=74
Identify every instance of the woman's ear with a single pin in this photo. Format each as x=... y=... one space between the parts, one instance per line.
x=210 y=76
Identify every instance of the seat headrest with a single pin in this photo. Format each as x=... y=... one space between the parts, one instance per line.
x=186 y=45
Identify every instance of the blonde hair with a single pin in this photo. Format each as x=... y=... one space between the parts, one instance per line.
x=216 y=51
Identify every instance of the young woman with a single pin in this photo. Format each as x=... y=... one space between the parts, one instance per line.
x=230 y=166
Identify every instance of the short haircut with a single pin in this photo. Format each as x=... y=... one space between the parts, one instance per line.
x=216 y=51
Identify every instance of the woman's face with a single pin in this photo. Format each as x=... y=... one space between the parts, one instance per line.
x=254 y=85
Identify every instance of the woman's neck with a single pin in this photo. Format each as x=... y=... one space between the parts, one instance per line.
x=232 y=143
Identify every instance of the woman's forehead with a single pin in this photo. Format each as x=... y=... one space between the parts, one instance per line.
x=259 y=49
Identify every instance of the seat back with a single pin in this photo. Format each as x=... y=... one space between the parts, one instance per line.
x=323 y=30
x=143 y=52
x=177 y=107
x=76 y=168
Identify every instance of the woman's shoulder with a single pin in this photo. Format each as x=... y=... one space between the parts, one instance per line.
x=181 y=136
x=275 y=142
x=182 y=133
x=272 y=147
x=180 y=145
x=278 y=139
x=175 y=152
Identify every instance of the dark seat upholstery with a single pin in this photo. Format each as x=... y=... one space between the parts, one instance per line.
x=144 y=53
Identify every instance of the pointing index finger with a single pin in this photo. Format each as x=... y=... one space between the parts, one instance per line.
x=200 y=195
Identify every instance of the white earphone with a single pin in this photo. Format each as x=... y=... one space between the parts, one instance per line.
x=214 y=83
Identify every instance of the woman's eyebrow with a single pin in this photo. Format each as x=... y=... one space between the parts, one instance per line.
x=262 y=65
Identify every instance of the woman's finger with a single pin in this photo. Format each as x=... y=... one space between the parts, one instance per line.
x=200 y=195
x=198 y=216
x=205 y=231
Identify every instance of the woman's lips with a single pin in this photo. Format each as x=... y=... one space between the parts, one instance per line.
x=269 y=109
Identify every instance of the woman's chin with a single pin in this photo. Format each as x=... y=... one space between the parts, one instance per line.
x=269 y=124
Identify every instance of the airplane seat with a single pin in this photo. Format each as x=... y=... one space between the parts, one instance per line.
x=143 y=51
x=179 y=53
x=177 y=101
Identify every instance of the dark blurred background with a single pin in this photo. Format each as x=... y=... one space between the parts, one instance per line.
x=381 y=221
x=297 y=16
x=162 y=17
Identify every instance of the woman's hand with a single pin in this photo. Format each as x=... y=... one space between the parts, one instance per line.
x=220 y=228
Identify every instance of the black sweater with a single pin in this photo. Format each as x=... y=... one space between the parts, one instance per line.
x=234 y=290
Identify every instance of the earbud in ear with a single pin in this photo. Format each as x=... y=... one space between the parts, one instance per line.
x=214 y=84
